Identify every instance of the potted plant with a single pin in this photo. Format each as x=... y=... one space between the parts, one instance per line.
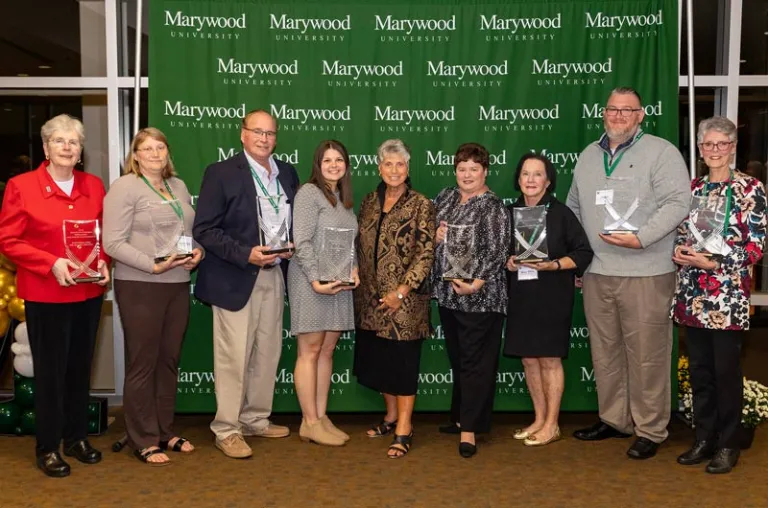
x=755 y=403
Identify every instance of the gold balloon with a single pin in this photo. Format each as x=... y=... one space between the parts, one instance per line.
x=3 y=303
x=9 y=293
x=6 y=279
x=16 y=309
x=5 y=322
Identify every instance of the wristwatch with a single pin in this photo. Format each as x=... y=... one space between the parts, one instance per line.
x=558 y=264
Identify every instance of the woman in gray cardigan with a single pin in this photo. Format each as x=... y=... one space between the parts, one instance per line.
x=148 y=220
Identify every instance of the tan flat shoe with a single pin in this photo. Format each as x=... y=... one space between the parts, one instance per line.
x=521 y=434
x=532 y=441
x=333 y=429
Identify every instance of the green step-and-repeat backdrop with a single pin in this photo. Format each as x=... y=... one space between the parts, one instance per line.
x=515 y=75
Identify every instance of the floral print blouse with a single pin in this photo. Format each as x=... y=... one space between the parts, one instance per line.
x=492 y=236
x=719 y=299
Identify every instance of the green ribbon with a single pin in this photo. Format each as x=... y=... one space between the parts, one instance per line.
x=173 y=204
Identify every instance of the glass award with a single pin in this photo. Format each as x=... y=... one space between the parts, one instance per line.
x=706 y=225
x=619 y=202
x=531 y=234
x=82 y=247
x=337 y=256
x=167 y=231
x=459 y=252
x=275 y=223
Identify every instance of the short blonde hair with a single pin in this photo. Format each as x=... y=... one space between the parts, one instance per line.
x=132 y=165
x=62 y=123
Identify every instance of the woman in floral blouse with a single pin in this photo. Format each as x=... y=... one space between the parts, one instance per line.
x=473 y=301
x=712 y=294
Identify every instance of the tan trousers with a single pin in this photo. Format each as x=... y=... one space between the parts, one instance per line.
x=246 y=350
x=631 y=340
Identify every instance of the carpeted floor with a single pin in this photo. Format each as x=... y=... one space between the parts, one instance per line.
x=289 y=473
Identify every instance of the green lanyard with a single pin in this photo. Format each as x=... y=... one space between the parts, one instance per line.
x=174 y=204
x=728 y=196
x=272 y=201
x=610 y=167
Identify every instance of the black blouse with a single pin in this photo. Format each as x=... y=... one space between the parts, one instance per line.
x=492 y=237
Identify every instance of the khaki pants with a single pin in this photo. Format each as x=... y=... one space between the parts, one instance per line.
x=246 y=350
x=631 y=341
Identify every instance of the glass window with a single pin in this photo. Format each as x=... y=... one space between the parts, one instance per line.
x=705 y=99
x=126 y=33
x=705 y=39
x=754 y=37
x=53 y=38
x=21 y=118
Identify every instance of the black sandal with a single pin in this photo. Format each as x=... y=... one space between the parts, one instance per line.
x=144 y=455
x=402 y=444
x=176 y=446
x=383 y=429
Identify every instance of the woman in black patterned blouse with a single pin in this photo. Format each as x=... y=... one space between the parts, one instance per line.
x=472 y=307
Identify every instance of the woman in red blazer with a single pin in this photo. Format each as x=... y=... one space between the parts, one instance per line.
x=40 y=209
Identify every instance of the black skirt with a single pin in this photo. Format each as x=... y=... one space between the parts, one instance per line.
x=387 y=366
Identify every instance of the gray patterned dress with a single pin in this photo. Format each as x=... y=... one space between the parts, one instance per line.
x=311 y=311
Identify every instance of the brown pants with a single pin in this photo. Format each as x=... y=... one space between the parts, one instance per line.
x=631 y=340
x=154 y=317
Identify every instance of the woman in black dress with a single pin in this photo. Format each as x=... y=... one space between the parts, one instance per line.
x=540 y=333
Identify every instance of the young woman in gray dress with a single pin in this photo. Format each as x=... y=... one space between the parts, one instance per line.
x=320 y=311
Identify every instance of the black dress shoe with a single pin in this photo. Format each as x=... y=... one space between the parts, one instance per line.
x=451 y=428
x=598 y=432
x=84 y=452
x=467 y=450
x=643 y=448
x=699 y=452
x=53 y=465
x=724 y=460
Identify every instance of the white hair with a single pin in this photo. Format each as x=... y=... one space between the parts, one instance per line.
x=717 y=124
x=393 y=147
x=62 y=123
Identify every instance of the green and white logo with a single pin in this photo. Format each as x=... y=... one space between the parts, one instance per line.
x=520 y=29
x=420 y=31
x=187 y=26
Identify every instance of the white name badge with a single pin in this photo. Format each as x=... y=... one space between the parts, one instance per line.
x=604 y=197
x=184 y=245
x=526 y=273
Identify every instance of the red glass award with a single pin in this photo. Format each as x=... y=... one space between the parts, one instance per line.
x=81 y=244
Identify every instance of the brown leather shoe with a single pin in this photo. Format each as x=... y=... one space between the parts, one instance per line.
x=271 y=430
x=234 y=446
x=333 y=429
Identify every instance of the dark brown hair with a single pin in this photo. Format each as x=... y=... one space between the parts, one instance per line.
x=344 y=185
x=549 y=168
x=471 y=152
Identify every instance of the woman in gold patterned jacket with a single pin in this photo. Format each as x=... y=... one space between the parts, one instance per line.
x=395 y=254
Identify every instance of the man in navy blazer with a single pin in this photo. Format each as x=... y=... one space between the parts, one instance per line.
x=244 y=285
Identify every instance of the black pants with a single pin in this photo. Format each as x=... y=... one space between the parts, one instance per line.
x=716 y=380
x=62 y=337
x=154 y=317
x=472 y=340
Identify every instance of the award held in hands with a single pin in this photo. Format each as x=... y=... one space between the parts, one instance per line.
x=275 y=223
x=706 y=225
x=337 y=256
x=82 y=247
x=619 y=201
x=531 y=234
x=167 y=230
x=459 y=252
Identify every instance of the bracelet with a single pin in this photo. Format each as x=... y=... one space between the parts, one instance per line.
x=558 y=264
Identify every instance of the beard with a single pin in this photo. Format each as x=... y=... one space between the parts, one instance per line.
x=621 y=133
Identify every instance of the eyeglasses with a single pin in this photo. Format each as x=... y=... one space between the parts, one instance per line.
x=61 y=142
x=710 y=146
x=612 y=111
x=153 y=149
x=260 y=133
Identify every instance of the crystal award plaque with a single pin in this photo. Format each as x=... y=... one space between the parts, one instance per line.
x=275 y=223
x=82 y=247
x=619 y=202
x=459 y=252
x=167 y=231
x=530 y=234
x=337 y=256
